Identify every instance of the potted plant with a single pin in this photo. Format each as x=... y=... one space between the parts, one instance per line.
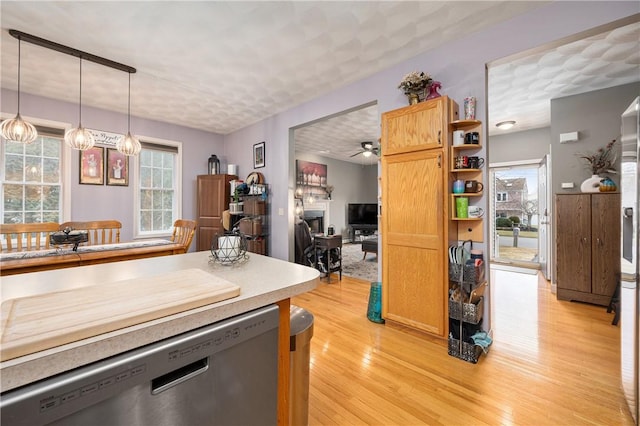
x=603 y=161
x=414 y=84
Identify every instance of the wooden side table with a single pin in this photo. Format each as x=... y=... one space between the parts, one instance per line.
x=325 y=244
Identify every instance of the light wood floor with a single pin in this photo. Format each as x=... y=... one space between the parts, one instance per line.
x=551 y=363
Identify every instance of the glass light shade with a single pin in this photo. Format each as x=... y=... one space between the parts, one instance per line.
x=128 y=145
x=367 y=153
x=79 y=138
x=18 y=130
x=506 y=124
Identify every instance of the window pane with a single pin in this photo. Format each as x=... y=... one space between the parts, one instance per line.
x=157 y=221
x=32 y=217
x=51 y=167
x=32 y=169
x=145 y=199
x=34 y=148
x=51 y=198
x=157 y=200
x=51 y=148
x=157 y=178
x=12 y=217
x=51 y=217
x=13 y=147
x=13 y=197
x=13 y=169
x=145 y=221
x=32 y=200
x=167 y=200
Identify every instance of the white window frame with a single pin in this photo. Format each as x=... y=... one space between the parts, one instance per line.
x=65 y=159
x=135 y=179
x=504 y=196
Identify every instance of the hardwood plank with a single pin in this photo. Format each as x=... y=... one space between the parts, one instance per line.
x=552 y=362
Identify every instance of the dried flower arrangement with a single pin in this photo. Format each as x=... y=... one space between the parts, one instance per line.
x=414 y=82
x=603 y=160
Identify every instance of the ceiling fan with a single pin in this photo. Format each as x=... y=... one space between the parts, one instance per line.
x=367 y=149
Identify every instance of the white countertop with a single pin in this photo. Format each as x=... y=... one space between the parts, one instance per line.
x=262 y=280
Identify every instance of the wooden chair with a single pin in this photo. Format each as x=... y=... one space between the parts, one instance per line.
x=17 y=237
x=183 y=232
x=99 y=231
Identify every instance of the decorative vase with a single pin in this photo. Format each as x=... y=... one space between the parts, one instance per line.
x=591 y=185
x=432 y=90
x=413 y=98
x=607 y=185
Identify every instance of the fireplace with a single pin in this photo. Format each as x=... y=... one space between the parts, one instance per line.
x=315 y=220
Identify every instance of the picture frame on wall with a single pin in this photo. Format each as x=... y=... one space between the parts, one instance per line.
x=92 y=166
x=258 y=155
x=117 y=168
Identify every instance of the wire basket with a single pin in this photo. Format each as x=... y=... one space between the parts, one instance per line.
x=229 y=249
x=470 y=352
x=468 y=312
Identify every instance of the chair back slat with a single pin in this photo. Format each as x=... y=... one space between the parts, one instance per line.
x=183 y=232
x=98 y=231
x=17 y=237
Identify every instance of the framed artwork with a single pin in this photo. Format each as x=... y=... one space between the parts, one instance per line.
x=311 y=174
x=92 y=166
x=117 y=168
x=258 y=155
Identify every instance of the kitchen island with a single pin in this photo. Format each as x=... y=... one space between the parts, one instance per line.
x=262 y=281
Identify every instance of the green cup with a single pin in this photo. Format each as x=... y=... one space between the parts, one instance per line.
x=462 y=207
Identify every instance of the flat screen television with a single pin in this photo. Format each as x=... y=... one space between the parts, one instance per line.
x=362 y=214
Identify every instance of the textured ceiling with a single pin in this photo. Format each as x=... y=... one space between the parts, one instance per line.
x=521 y=89
x=220 y=66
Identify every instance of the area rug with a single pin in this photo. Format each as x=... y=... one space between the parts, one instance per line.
x=354 y=266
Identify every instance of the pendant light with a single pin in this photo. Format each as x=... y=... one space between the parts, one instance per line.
x=16 y=129
x=129 y=145
x=79 y=138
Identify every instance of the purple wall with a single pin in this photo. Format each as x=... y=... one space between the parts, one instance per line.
x=95 y=202
x=459 y=65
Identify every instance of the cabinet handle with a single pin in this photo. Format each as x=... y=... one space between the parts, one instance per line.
x=439 y=161
x=439 y=137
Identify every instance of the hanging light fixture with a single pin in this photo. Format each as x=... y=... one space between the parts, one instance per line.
x=129 y=145
x=16 y=129
x=79 y=138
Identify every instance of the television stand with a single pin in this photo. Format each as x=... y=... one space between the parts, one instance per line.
x=361 y=230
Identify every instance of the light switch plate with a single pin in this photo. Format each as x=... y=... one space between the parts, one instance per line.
x=567 y=185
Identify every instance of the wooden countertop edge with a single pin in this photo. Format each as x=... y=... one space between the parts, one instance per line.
x=23 y=370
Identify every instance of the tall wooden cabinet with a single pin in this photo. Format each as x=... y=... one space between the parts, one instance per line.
x=415 y=218
x=213 y=192
x=587 y=246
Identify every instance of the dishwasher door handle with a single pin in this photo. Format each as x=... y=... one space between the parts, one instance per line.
x=180 y=375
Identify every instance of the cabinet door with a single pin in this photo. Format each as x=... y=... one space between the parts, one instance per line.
x=213 y=199
x=414 y=289
x=573 y=225
x=414 y=128
x=605 y=243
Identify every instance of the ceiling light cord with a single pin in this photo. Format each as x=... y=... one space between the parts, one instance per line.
x=79 y=138
x=16 y=129
x=128 y=144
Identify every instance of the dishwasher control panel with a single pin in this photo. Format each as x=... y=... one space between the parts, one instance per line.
x=63 y=395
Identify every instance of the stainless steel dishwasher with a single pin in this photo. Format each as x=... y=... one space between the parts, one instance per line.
x=221 y=374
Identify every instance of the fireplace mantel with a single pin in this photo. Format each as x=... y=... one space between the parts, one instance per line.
x=320 y=206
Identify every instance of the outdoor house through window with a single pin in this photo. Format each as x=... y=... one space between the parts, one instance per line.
x=158 y=188
x=32 y=179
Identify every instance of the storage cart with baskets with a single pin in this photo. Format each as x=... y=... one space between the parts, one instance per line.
x=466 y=302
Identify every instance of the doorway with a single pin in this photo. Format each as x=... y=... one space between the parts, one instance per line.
x=518 y=210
